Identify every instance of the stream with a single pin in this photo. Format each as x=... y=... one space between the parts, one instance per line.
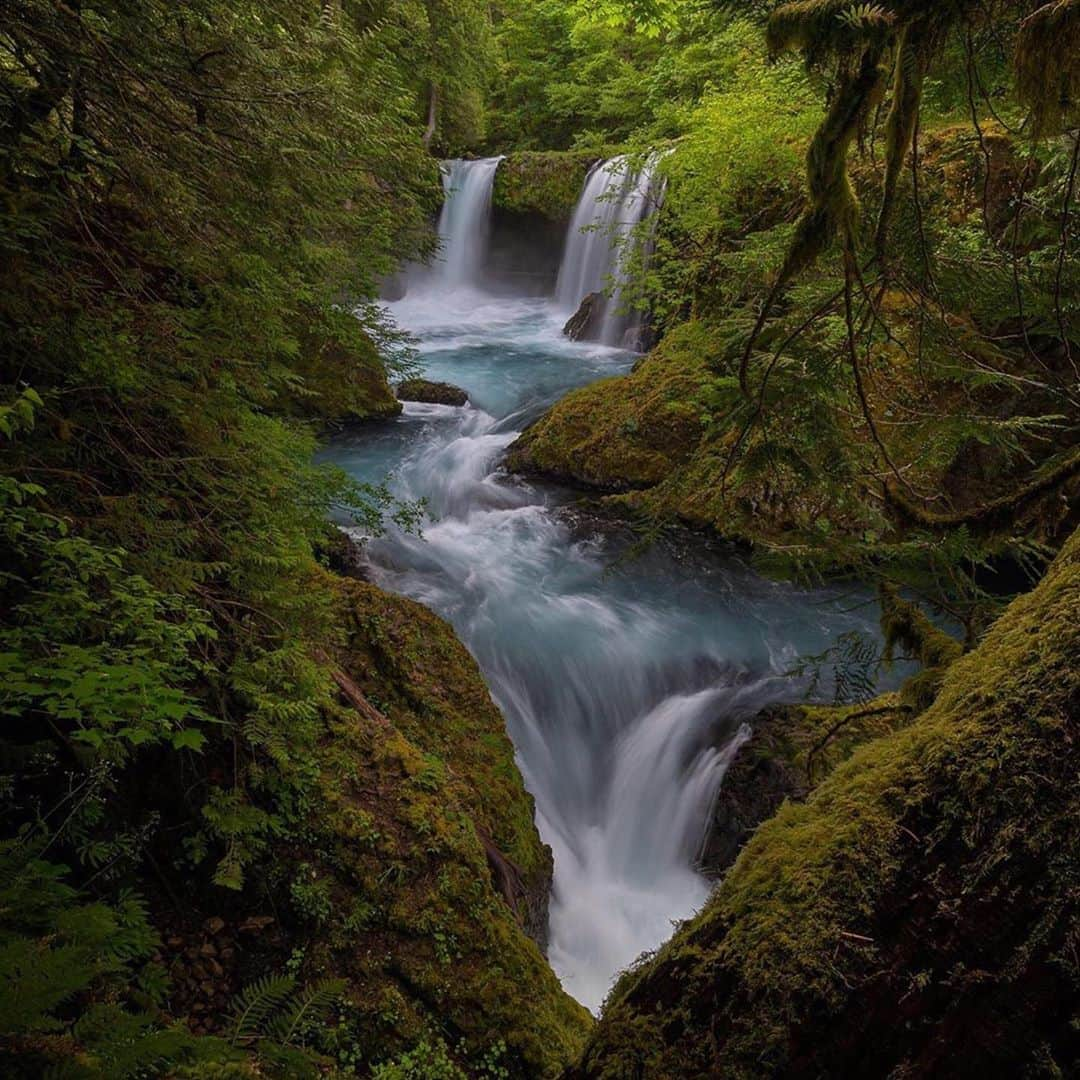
x=627 y=680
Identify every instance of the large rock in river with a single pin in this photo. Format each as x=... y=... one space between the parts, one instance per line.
x=584 y=324
x=431 y=393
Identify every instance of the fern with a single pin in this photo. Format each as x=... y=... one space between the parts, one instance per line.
x=257 y=1003
x=307 y=1009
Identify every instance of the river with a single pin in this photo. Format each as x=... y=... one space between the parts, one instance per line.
x=627 y=680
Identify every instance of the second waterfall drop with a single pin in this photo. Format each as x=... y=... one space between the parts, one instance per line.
x=601 y=241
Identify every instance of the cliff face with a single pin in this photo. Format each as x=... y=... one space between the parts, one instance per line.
x=917 y=916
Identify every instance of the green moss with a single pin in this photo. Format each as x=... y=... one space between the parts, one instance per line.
x=927 y=886
x=541 y=182
x=628 y=432
x=398 y=878
x=905 y=625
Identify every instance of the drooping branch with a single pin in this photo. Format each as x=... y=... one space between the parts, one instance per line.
x=833 y=206
x=988 y=516
x=846 y=718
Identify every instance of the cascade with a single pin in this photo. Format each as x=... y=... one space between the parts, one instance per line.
x=625 y=682
x=464 y=224
x=615 y=198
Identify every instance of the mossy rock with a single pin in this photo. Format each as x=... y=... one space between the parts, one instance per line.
x=917 y=915
x=668 y=440
x=792 y=748
x=432 y=393
x=423 y=874
x=547 y=183
x=631 y=431
x=645 y=436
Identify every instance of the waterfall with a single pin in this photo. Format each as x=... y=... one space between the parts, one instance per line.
x=616 y=198
x=464 y=224
x=625 y=681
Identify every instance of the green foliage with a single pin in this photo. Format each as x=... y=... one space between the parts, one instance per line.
x=593 y=75
x=430 y=1059
x=59 y=950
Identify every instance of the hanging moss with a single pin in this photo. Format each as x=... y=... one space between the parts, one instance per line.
x=908 y=630
x=908 y=77
x=858 y=38
x=1048 y=66
x=834 y=207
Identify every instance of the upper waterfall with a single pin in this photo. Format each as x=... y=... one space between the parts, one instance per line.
x=615 y=199
x=464 y=225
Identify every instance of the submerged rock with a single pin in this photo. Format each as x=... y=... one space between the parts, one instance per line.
x=584 y=324
x=431 y=393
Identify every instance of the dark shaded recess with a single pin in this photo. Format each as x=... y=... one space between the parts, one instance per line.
x=524 y=252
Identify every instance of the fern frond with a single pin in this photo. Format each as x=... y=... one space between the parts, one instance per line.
x=255 y=1004
x=307 y=1007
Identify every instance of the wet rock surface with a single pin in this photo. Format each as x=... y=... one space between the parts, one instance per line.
x=585 y=323
x=756 y=784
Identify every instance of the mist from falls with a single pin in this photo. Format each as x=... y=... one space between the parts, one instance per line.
x=627 y=682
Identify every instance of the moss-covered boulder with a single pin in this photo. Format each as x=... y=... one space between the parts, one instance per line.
x=631 y=431
x=432 y=393
x=547 y=183
x=423 y=881
x=917 y=916
x=792 y=748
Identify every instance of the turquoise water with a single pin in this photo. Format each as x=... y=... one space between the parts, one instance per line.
x=627 y=683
